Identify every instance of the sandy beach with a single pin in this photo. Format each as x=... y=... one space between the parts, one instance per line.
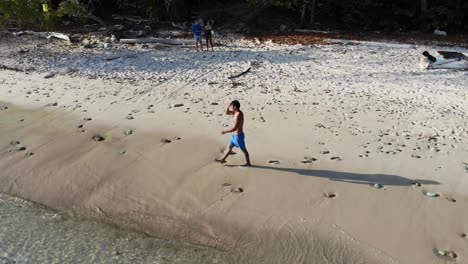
x=350 y=141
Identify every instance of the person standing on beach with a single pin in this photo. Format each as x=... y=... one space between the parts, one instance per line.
x=209 y=35
x=197 y=32
x=238 y=138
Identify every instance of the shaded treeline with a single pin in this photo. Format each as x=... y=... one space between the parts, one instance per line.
x=390 y=15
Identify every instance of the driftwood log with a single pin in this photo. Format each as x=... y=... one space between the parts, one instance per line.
x=157 y=40
x=240 y=74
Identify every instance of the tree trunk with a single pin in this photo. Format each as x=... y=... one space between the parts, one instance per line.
x=423 y=7
x=312 y=7
x=303 y=13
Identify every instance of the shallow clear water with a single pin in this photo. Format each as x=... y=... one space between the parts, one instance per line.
x=30 y=234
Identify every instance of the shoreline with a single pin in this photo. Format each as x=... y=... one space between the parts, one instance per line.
x=313 y=128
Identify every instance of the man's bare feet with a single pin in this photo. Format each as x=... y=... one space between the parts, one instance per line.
x=220 y=161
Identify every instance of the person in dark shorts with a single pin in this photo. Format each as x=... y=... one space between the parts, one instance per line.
x=238 y=137
x=209 y=34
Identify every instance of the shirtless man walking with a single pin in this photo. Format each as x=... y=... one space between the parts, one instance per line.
x=237 y=139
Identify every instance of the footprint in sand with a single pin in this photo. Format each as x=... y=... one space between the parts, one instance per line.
x=463 y=235
x=336 y=158
x=329 y=195
x=274 y=161
x=88 y=119
x=20 y=149
x=237 y=190
x=450 y=199
x=29 y=154
x=80 y=126
x=98 y=138
x=226 y=184
x=128 y=132
x=165 y=141
x=325 y=152
x=122 y=152
x=308 y=159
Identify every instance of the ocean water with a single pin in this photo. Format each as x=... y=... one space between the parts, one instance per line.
x=32 y=234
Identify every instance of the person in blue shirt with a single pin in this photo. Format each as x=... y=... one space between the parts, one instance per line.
x=197 y=32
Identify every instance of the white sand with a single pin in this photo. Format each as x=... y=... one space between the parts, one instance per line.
x=368 y=104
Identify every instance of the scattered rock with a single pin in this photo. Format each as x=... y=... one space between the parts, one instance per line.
x=165 y=141
x=377 y=185
x=447 y=254
x=128 y=132
x=418 y=184
x=431 y=194
x=329 y=195
x=129 y=117
x=98 y=138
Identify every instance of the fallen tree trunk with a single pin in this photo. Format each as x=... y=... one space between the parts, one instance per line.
x=158 y=40
x=240 y=74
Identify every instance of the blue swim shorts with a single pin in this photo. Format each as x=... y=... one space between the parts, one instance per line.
x=237 y=141
x=198 y=38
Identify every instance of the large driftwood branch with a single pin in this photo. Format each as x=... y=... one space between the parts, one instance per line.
x=240 y=74
x=157 y=40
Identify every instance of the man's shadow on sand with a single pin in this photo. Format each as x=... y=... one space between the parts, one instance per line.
x=384 y=179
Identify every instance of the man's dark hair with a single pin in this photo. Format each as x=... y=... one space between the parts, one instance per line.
x=236 y=104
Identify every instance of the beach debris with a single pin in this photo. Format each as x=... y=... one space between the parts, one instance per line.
x=237 y=190
x=50 y=75
x=88 y=119
x=165 y=141
x=377 y=185
x=57 y=35
x=447 y=253
x=450 y=199
x=20 y=149
x=176 y=105
x=29 y=154
x=128 y=132
x=3 y=108
x=431 y=194
x=439 y=32
x=98 y=138
x=273 y=161
x=329 y=195
x=240 y=74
